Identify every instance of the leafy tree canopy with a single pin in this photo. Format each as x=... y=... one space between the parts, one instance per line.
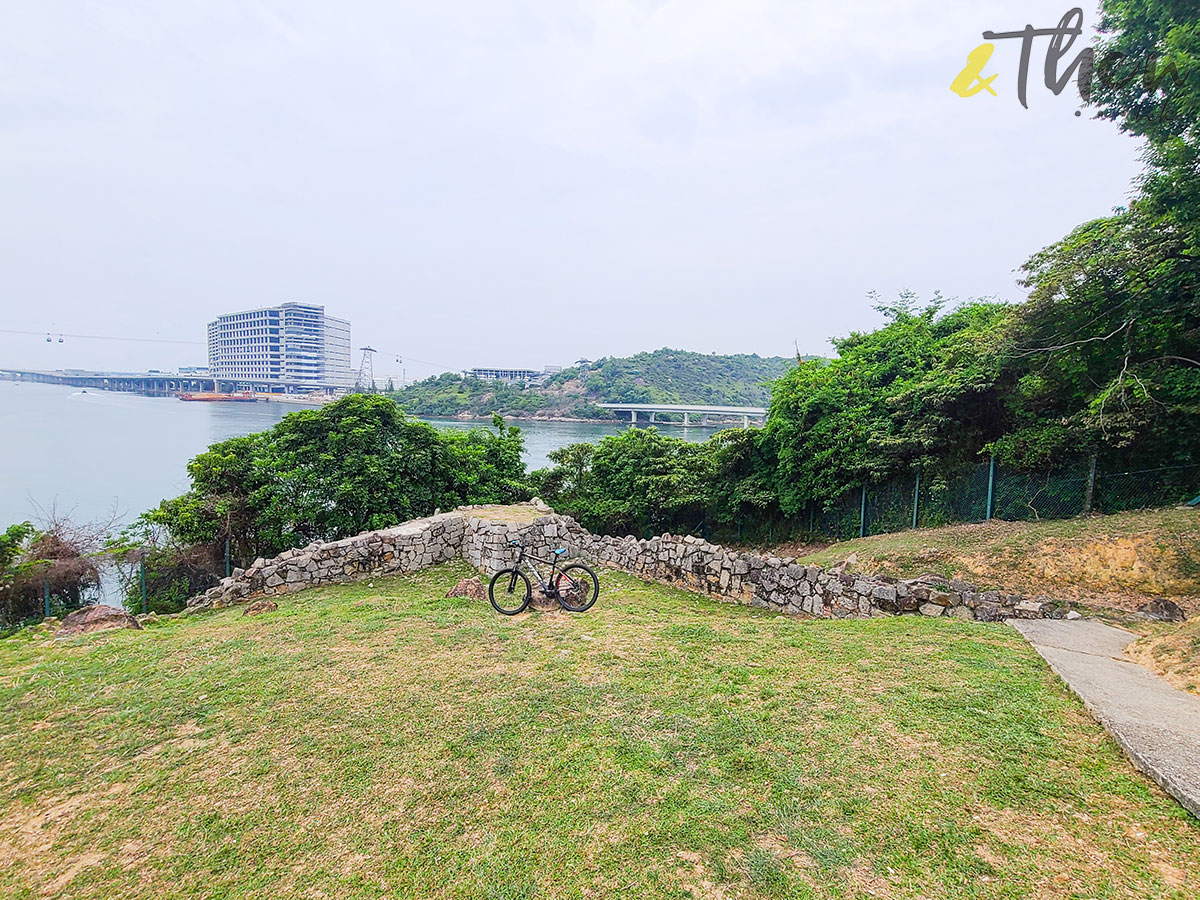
x=355 y=465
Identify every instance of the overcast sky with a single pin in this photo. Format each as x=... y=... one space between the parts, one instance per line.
x=522 y=183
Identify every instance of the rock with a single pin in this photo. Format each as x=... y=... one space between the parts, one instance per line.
x=988 y=612
x=469 y=587
x=907 y=603
x=933 y=580
x=1160 y=609
x=931 y=609
x=261 y=606
x=96 y=618
x=886 y=595
x=941 y=598
x=1073 y=616
x=1033 y=609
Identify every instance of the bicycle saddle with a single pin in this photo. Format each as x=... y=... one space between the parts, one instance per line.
x=560 y=551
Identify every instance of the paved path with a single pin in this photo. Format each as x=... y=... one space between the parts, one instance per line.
x=1156 y=725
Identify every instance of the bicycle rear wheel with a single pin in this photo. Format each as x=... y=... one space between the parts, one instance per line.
x=509 y=591
x=578 y=588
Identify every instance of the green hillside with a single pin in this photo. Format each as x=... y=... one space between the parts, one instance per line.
x=664 y=376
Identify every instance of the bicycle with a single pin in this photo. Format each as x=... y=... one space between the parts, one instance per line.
x=574 y=586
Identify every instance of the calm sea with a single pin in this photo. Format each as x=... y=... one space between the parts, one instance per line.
x=89 y=453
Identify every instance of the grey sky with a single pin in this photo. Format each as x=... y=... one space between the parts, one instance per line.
x=525 y=182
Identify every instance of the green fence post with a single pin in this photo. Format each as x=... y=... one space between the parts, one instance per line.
x=228 y=571
x=991 y=485
x=862 y=514
x=142 y=578
x=812 y=516
x=916 y=498
x=46 y=596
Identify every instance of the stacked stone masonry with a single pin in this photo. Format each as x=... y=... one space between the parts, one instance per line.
x=763 y=581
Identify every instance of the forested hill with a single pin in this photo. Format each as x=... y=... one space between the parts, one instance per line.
x=664 y=376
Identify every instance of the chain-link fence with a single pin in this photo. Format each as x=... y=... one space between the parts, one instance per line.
x=991 y=491
x=161 y=580
x=987 y=491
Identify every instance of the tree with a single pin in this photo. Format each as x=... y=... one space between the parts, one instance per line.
x=12 y=547
x=57 y=560
x=355 y=465
x=744 y=480
x=1105 y=356
x=640 y=480
x=1152 y=56
x=923 y=390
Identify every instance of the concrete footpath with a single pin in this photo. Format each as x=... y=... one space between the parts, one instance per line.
x=1156 y=725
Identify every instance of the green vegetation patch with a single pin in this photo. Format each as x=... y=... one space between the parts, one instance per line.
x=663 y=376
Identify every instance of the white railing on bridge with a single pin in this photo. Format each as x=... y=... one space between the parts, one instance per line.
x=688 y=409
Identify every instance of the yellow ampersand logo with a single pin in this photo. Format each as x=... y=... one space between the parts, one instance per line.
x=970 y=81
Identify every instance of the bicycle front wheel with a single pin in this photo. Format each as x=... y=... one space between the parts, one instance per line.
x=578 y=588
x=509 y=591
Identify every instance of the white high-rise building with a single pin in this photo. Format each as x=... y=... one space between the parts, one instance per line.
x=293 y=347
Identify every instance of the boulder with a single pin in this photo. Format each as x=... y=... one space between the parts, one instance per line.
x=95 y=618
x=261 y=606
x=1160 y=609
x=988 y=612
x=1034 y=609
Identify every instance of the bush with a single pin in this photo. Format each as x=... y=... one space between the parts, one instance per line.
x=355 y=465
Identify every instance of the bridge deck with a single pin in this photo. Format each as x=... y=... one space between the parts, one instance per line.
x=685 y=407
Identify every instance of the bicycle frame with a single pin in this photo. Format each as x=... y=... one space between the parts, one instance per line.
x=549 y=588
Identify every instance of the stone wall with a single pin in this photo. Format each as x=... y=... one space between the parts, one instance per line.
x=410 y=547
x=763 y=581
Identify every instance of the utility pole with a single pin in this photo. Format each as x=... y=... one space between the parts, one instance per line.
x=366 y=370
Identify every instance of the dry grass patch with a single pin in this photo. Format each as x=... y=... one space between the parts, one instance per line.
x=1172 y=651
x=1111 y=562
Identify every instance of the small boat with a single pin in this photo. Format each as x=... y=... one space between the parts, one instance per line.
x=218 y=397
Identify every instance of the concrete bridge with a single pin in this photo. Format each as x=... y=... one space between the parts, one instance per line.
x=689 y=409
x=152 y=384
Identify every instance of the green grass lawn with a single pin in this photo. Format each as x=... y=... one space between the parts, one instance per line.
x=384 y=742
